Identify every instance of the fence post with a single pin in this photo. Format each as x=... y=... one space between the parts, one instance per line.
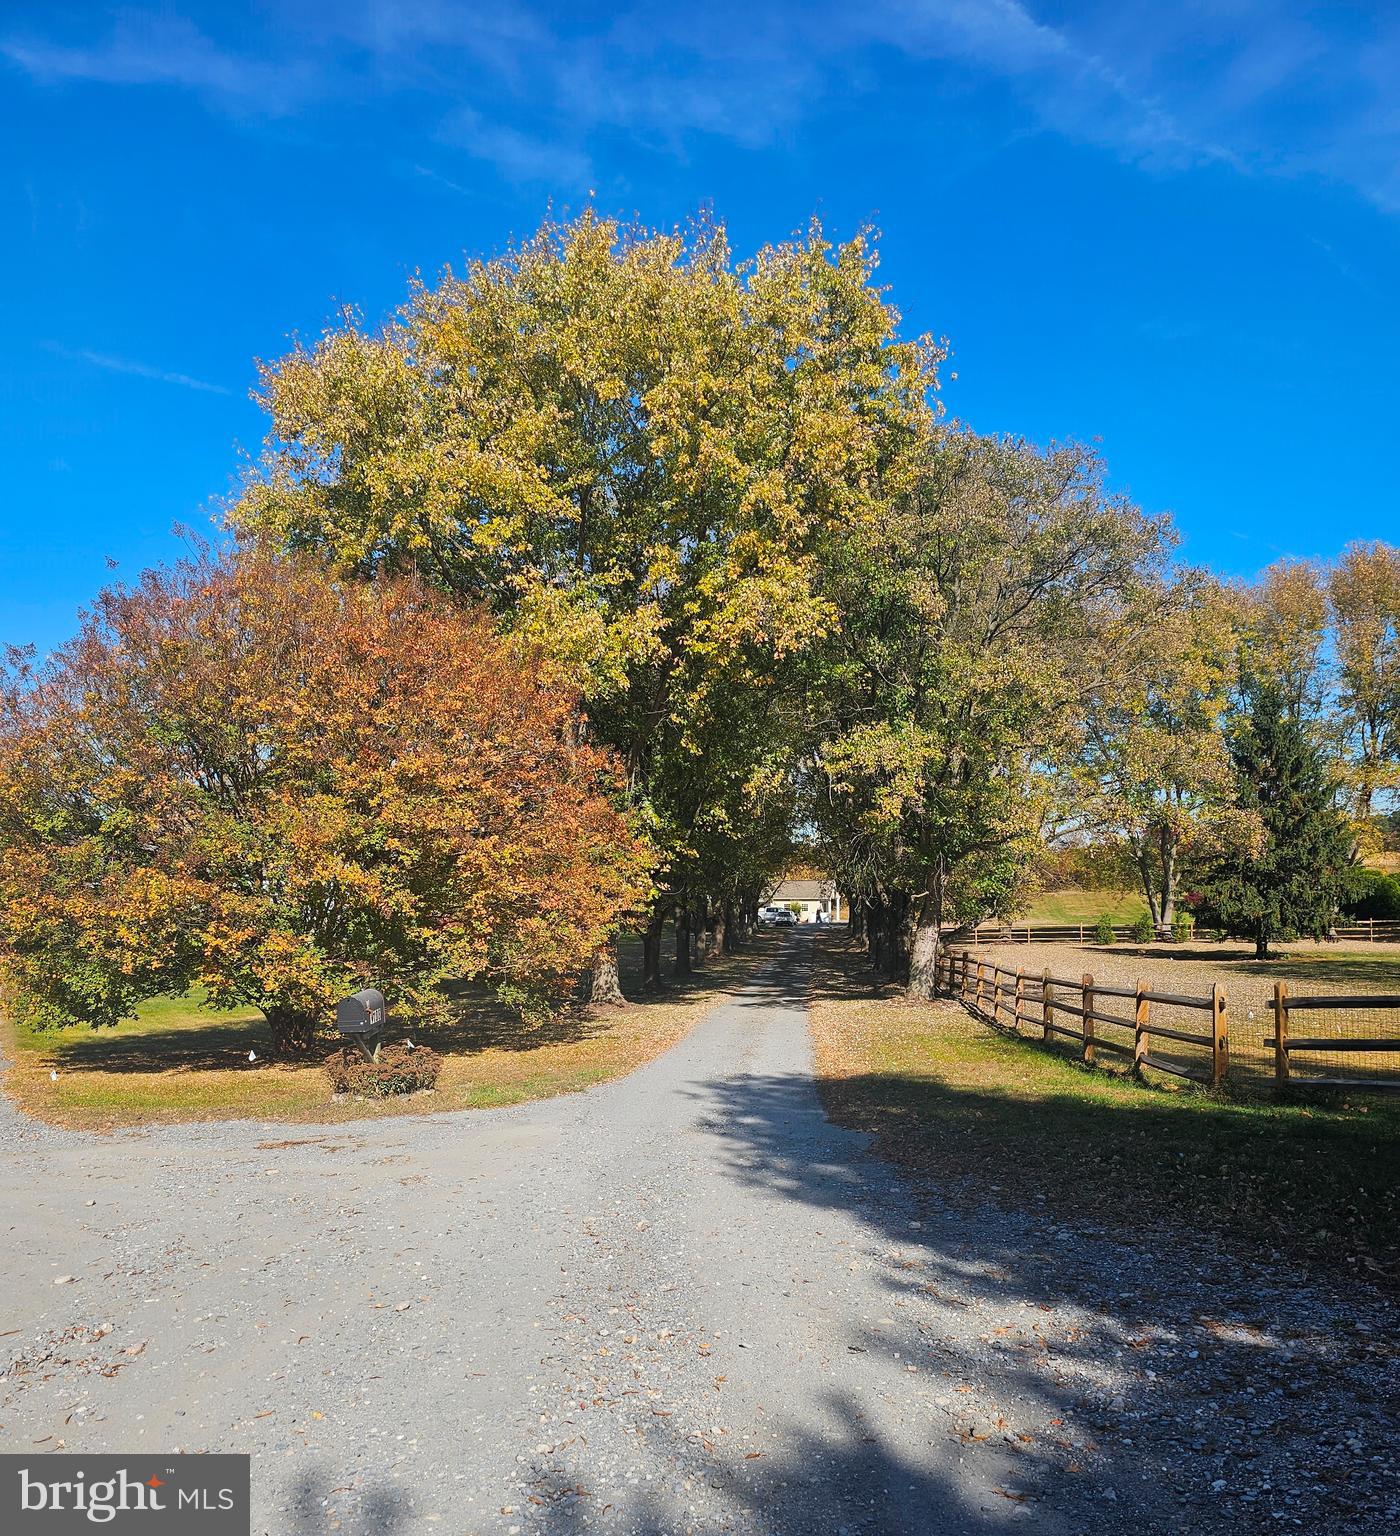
x=996 y=993
x=1087 y=998
x=1020 y=996
x=1047 y=1006
x=1142 y=1041
x=1220 y=1035
x=1280 y=1034
x=977 y=1001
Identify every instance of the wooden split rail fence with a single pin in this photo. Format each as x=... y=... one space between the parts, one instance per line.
x=1370 y=930
x=1374 y=930
x=1080 y=1011
x=1048 y=933
x=1352 y=1027
x=1355 y=1044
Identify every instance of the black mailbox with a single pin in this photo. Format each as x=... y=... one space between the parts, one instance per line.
x=361 y=1015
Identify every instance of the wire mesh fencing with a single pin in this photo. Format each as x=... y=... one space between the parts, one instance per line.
x=1321 y=1041
x=1336 y=1040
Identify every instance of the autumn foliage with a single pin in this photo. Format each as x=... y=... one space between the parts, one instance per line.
x=247 y=776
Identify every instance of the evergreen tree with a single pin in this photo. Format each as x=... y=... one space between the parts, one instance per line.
x=1289 y=879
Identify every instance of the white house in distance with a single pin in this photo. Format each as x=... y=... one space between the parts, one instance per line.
x=810 y=897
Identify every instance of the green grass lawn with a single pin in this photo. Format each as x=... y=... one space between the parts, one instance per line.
x=1083 y=907
x=966 y=1107
x=181 y=1060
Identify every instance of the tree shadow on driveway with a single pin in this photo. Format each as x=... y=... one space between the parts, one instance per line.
x=380 y=1509
x=854 y=1484
x=1098 y=1374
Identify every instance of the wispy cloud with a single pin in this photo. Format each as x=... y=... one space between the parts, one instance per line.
x=519 y=157
x=110 y=363
x=150 y=48
x=1068 y=82
x=428 y=174
x=1269 y=87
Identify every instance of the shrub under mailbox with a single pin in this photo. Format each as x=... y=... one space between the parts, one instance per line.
x=397 y=1069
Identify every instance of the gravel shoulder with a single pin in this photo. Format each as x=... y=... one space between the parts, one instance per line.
x=683 y=1301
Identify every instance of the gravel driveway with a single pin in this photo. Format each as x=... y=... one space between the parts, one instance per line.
x=683 y=1301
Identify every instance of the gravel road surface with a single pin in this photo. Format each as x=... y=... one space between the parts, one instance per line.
x=683 y=1301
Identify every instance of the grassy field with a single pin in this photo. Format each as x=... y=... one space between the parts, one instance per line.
x=999 y=1118
x=1083 y=907
x=182 y=1061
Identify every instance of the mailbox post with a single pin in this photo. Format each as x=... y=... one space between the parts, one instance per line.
x=361 y=1018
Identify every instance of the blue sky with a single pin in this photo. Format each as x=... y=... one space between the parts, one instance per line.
x=1170 y=228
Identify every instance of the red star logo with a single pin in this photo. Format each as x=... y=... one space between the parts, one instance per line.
x=155 y=1482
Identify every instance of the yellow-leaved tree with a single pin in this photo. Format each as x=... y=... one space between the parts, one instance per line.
x=629 y=446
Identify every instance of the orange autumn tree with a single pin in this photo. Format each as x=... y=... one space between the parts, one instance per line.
x=246 y=776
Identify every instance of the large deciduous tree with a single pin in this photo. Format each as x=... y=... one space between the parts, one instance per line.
x=1156 y=762
x=977 y=603
x=247 y=776
x=628 y=444
x=1364 y=591
x=1286 y=633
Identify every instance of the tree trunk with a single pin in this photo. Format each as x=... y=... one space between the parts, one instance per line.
x=719 y=930
x=726 y=919
x=293 y=1033
x=1167 y=907
x=923 y=952
x=1144 y=864
x=857 y=920
x=651 y=952
x=682 y=967
x=904 y=938
x=602 y=986
x=876 y=925
x=927 y=939
x=698 y=922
